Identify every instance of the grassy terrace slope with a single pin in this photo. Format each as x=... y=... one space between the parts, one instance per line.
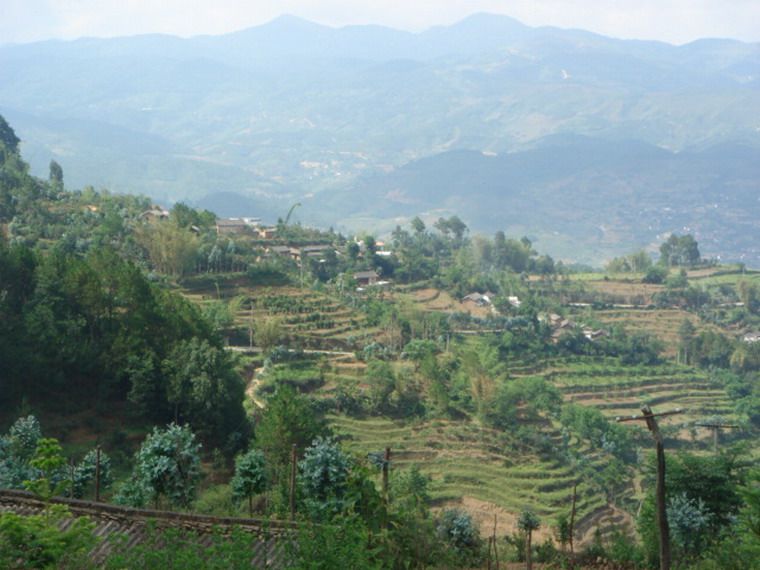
x=486 y=471
x=472 y=464
x=618 y=390
x=663 y=323
x=309 y=318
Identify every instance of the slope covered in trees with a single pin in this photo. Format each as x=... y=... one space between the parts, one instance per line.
x=88 y=328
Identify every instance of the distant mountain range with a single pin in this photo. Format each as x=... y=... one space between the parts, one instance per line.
x=577 y=197
x=609 y=143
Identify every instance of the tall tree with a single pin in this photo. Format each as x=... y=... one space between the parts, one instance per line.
x=685 y=336
x=528 y=522
x=167 y=465
x=204 y=389
x=250 y=476
x=56 y=175
x=680 y=251
x=7 y=136
x=288 y=419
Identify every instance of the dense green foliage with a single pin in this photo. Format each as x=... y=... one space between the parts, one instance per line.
x=109 y=334
x=37 y=541
x=167 y=466
x=703 y=501
x=250 y=476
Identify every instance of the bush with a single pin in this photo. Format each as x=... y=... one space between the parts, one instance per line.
x=457 y=529
x=38 y=541
x=175 y=548
x=655 y=274
x=345 y=543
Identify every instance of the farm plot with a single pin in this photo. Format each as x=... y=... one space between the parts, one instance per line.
x=618 y=390
x=469 y=463
x=663 y=323
x=312 y=319
x=628 y=292
x=436 y=300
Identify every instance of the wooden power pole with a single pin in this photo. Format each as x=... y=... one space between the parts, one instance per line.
x=386 y=467
x=715 y=428
x=293 y=468
x=662 y=516
x=97 y=474
x=572 y=519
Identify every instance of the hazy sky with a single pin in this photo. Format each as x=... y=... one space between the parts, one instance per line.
x=675 y=21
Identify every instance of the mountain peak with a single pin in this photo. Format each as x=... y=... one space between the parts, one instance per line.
x=489 y=18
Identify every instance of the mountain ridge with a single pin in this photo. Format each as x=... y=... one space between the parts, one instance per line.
x=292 y=108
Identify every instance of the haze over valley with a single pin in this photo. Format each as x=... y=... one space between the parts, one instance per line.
x=590 y=145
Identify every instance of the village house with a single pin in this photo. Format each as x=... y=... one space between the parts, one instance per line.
x=561 y=327
x=155 y=213
x=751 y=337
x=279 y=250
x=381 y=249
x=226 y=226
x=478 y=299
x=593 y=335
x=312 y=251
x=266 y=233
x=365 y=278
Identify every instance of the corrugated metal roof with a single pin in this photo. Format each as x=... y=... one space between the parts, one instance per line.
x=268 y=537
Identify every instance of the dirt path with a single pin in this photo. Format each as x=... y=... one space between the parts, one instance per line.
x=257 y=350
x=253 y=385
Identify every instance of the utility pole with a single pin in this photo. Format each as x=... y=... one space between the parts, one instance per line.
x=386 y=467
x=493 y=547
x=97 y=474
x=572 y=519
x=662 y=516
x=71 y=478
x=715 y=428
x=250 y=328
x=293 y=482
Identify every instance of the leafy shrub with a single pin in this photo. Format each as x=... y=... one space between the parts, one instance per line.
x=655 y=274
x=324 y=477
x=166 y=465
x=345 y=543
x=458 y=530
x=85 y=472
x=39 y=541
x=175 y=548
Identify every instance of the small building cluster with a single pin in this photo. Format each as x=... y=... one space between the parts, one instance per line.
x=751 y=337
x=561 y=325
x=228 y=226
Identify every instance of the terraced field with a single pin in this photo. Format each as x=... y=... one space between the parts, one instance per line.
x=619 y=390
x=479 y=467
x=435 y=300
x=663 y=323
x=626 y=291
x=310 y=318
x=486 y=471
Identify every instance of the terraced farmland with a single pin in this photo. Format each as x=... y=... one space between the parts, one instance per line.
x=480 y=467
x=487 y=471
x=626 y=291
x=309 y=318
x=619 y=390
x=663 y=323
